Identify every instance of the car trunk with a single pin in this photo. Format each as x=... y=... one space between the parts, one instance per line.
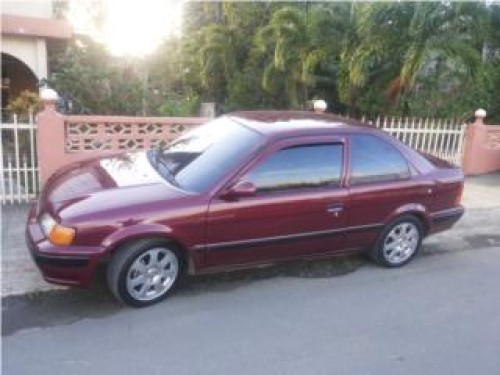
x=449 y=183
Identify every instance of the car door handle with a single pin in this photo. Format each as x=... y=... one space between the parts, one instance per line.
x=334 y=208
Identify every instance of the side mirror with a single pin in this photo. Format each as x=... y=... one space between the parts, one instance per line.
x=239 y=190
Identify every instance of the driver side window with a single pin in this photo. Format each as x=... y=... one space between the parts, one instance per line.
x=297 y=167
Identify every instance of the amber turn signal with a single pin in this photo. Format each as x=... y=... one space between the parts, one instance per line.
x=60 y=235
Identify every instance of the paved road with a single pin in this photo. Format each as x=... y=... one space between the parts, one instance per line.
x=438 y=315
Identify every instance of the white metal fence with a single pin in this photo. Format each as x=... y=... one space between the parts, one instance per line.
x=441 y=138
x=19 y=169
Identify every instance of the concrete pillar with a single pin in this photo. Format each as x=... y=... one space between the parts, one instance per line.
x=476 y=156
x=207 y=110
x=41 y=59
x=50 y=135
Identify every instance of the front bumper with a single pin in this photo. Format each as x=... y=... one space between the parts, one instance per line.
x=65 y=265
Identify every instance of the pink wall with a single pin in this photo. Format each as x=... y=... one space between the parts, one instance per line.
x=66 y=139
x=482 y=148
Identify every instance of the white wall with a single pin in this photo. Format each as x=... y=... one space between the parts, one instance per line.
x=31 y=51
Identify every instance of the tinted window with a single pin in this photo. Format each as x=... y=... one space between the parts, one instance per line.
x=299 y=167
x=200 y=158
x=375 y=160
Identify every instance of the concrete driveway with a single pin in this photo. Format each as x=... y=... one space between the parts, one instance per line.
x=438 y=315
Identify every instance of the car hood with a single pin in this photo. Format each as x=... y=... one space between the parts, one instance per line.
x=111 y=183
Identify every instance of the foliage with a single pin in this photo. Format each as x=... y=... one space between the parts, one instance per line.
x=400 y=58
x=26 y=103
x=95 y=82
x=401 y=45
x=179 y=106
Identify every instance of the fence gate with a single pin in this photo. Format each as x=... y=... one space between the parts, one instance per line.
x=441 y=138
x=19 y=169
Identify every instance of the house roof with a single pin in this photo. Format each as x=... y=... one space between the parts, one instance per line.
x=35 y=27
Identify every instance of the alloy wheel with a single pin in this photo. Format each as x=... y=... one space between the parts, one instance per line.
x=152 y=274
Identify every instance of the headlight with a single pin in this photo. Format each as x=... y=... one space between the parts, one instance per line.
x=47 y=223
x=56 y=233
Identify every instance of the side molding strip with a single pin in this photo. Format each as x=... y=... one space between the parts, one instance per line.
x=230 y=245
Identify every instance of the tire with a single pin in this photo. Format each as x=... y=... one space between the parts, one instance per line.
x=395 y=248
x=144 y=272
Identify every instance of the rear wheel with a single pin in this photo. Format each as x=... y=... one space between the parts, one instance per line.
x=144 y=272
x=399 y=242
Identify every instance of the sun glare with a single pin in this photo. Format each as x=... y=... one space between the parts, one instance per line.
x=134 y=27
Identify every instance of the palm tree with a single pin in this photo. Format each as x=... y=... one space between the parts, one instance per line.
x=304 y=45
x=286 y=39
x=212 y=59
x=218 y=52
x=398 y=42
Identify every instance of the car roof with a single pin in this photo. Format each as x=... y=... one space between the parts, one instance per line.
x=283 y=123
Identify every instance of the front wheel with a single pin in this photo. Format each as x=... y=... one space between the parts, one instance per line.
x=144 y=272
x=399 y=242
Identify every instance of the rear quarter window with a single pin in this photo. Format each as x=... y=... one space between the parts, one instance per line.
x=373 y=159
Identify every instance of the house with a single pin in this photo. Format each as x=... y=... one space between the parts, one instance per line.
x=31 y=33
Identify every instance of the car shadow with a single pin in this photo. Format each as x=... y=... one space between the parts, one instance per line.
x=67 y=306
x=319 y=268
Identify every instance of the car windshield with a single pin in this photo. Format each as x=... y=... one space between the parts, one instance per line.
x=200 y=158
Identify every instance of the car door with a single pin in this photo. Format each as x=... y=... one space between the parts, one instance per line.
x=298 y=208
x=382 y=184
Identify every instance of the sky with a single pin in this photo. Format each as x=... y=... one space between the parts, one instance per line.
x=130 y=27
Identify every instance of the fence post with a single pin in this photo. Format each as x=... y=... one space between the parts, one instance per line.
x=475 y=137
x=207 y=110
x=50 y=135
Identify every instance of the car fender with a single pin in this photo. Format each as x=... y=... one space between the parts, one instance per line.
x=410 y=208
x=137 y=231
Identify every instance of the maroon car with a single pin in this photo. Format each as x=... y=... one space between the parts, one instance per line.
x=245 y=189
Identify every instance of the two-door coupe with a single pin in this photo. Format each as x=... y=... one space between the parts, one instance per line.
x=245 y=189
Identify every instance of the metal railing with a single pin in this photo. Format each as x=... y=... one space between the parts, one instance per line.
x=19 y=181
x=441 y=138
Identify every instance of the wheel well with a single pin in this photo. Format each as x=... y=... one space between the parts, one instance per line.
x=182 y=250
x=420 y=217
